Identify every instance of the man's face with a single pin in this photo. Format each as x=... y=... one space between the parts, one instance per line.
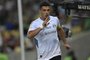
x=45 y=11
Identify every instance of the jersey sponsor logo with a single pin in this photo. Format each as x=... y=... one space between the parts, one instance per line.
x=49 y=32
x=45 y=32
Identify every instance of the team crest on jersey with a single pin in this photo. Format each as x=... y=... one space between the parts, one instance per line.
x=54 y=25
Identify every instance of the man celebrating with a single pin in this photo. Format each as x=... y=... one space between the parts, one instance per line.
x=46 y=30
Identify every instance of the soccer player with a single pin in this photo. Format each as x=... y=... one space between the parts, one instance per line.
x=45 y=30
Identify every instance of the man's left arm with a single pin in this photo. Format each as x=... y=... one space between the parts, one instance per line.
x=61 y=35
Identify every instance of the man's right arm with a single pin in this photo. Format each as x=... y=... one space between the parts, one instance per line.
x=33 y=33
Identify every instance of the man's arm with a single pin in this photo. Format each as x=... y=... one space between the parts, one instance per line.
x=33 y=33
x=62 y=37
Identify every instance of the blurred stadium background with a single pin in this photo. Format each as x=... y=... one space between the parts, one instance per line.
x=78 y=22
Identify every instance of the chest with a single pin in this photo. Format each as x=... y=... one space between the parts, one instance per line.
x=50 y=28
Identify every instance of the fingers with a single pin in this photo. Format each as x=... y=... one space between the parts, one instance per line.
x=46 y=19
x=45 y=23
x=67 y=46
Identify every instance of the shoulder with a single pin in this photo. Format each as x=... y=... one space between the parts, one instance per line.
x=36 y=21
x=54 y=17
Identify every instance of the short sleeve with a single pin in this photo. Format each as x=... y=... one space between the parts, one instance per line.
x=58 y=23
x=32 y=26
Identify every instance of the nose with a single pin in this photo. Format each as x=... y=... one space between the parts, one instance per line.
x=47 y=12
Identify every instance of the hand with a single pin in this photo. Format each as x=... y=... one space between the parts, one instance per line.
x=45 y=23
x=67 y=46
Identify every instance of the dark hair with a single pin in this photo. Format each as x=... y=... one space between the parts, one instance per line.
x=44 y=4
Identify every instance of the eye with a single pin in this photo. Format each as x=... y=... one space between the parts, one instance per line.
x=44 y=9
x=48 y=9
